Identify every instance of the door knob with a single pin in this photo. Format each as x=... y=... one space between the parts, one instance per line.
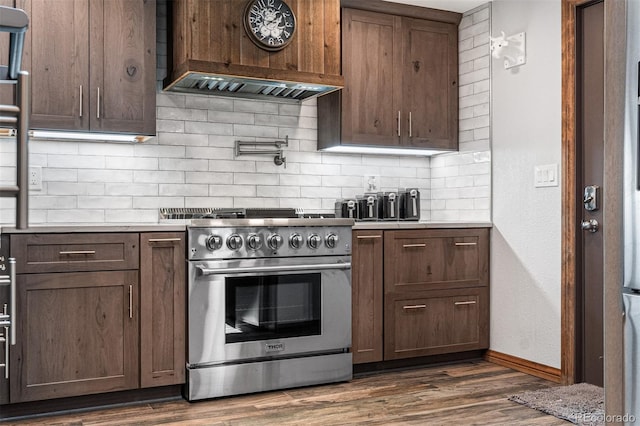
x=590 y=225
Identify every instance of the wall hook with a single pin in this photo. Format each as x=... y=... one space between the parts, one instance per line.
x=510 y=48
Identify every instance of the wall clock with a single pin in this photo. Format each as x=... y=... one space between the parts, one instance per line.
x=270 y=24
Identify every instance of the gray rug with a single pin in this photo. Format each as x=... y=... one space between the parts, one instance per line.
x=582 y=404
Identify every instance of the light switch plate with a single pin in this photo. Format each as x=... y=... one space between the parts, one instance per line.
x=545 y=175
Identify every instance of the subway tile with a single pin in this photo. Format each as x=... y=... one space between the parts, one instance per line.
x=444 y=215
x=474 y=123
x=108 y=203
x=331 y=158
x=232 y=190
x=444 y=194
x=304 y=157
x=466 y=22
x=474 y=77
x=482 y=86
x=241 y=130
x=209 y=177
x=220 y=103
x=232 y=117
x=391 y=161
x=473 y=30
x=320 y=192
x=351 y=170
x=276 y=120
x=157 y=202
x=473 y=54
x=132 y=189
x=183 y=189
x=474 y=145
x=173 y=100
x=300 y=180
x=278 y=191
x=106 y=149
x=131 y=216
x=298 y=133
x=459 y=204
x=74 y=188
x=270 y=167
x=446 y=171
x=222 y=141
x=75 y=216
x=207 y=153
x=241 y=105
x=47 y=202
x=76 y=161
x=475 y=192
x=104 y=176
x=465 y=45
x=232 y=166
x=206 y=128
x=184 y=164
x=159 y=151
x=60 y=175
x=197 y=102
x=482 y=62
x=183 y=139
x=37 y=146
x=158 y=176
x=340 y=181
x=482 y=109
x=172 y=113
x=256 y=202
x=307 y=204
x=255 y=179
x=458 y=181
x=481 y=15
x=134 y=163
x=213 y=202
x=319 y=169
x=169 y=126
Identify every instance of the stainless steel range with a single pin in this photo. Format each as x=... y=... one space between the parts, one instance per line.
x=269 y=304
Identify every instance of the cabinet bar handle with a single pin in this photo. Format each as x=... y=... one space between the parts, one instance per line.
x=130 y=301
x=98 y=106
x=466 y=244
x=368 y=237
x=81 y=96
x=62 y=253
x=414 y=245
x=13 y=304
x=470 y=302
x=410 y=126
x=6 y=352
x=408 y=307
x=164 y=240
x=398 y=123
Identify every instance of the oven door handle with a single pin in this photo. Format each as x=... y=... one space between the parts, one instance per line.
x=284 y=268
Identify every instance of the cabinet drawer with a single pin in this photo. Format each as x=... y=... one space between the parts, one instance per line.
x=37 y=253
x=420 y=260
x=448 y=322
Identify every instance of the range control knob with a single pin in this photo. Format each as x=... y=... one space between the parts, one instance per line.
x=234 y=242
x=274 y=241
x=295 y=241
x=331 y=240
x=314 y=241
x=214 y=242
x=254 y=242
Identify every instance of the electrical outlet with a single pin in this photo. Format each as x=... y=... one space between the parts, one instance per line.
x=371 y=183
x=35 y=178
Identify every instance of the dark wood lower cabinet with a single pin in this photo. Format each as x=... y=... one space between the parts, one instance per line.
x=426 y=292
x=367 y=291
x=436 y=323
x=77 y=334
x=162 y=309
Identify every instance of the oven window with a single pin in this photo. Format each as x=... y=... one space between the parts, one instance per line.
x=272 y=307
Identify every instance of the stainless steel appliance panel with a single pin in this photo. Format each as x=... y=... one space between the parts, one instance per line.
x=207 y=317
x=632 y=353
x=267 y=375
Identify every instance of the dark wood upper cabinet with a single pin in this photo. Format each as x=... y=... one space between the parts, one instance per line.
x=162 y=309
x=400 y=79
x=93 y=64
x=367 y=289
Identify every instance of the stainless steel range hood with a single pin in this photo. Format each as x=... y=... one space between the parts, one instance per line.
x=249 y=88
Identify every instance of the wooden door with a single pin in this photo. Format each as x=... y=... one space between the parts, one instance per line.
x=367 y=297
x=372 y=94
x=590 y=152
x=78 y=334
x=430 y=88
x=59 y=57
x=122 y=66
x=162 y=309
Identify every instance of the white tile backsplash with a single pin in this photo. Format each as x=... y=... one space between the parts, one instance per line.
x=191 y=162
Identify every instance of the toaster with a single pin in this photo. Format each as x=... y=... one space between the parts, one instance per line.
x=410 y=204
x=347 y=208
x=389 y=208
x=368 y=207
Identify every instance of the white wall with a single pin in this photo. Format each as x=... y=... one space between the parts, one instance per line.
x=525 y=242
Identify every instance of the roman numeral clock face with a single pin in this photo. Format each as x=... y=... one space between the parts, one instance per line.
x=270 y=24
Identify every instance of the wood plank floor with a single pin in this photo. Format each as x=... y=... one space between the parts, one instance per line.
x=460 y=394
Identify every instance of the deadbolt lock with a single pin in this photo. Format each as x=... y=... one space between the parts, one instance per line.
x=590 y=199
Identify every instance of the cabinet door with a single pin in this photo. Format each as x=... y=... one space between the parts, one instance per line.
x=371 y=97
x=439 y=322
x=77 y=335
x=162 y=309
x=59 y=58
x=123 y=66
x=419 y=260
x=430 y=80
x=367 y=297
x=7 y=91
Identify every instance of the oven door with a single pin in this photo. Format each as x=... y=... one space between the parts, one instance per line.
x=254 y=309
